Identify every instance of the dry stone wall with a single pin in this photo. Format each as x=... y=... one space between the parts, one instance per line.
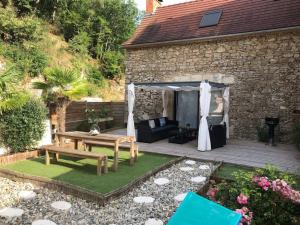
x=262 y=71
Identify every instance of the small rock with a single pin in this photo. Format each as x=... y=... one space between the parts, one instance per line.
x=61 y=205
x=43 y=222
x=27 y=195
x=161 y=181
x=143 y=199
x=180 y=197
x=154 y=222
x=190 y=162
x=11 y=212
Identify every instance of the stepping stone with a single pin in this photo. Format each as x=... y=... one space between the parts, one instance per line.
x=161 y=181
x=11 y=212
x=190 y=162
x=186 y=169
x=43 y=222
x=61 y=205
x=199 y=179
x=204 y=167
x=154 y=222
x=27 y=195
x=143 y=199
x=180 y=197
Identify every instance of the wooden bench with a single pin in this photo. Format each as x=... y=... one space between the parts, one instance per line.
x=89 y=144
x=101 y=158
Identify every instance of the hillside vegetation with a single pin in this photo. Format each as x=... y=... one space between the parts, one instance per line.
x=82 y=36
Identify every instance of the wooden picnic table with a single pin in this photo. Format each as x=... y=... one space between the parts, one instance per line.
x=77 y=136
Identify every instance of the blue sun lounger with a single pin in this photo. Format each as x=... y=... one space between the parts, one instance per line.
x=196 y=210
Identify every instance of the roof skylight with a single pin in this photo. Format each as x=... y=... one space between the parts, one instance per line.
x=211 y=18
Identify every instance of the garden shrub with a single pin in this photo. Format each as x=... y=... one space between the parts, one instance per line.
x=263 y=197
x=95 y=77
x=297 y=135
x=28 y=59
x=112 y=64
x=14 y=29
x=80 y=43
x=23 y=127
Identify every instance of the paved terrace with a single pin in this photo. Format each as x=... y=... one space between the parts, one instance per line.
x=240 y=152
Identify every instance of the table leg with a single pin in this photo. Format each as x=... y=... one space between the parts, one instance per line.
x=136 y=152
x=47 y=158
x=76 y=144
x=56 y=157
x=104 y=168
x=116 y=156
x=99 y=166
x=132 y=155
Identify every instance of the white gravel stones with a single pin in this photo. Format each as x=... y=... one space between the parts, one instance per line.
x=11 y=212
x=162 y=181
x=154 y=222
x=119 y=211
x=190 y=162
x=143 y=200
x=198 y=179
x=186 y=168
x=61 y=205
x=180 y=197
x=43 y=222
x=27 y=195
x=204 y=167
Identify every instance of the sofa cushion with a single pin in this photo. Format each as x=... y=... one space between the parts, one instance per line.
x=152 y=124
x=164 y=128
x=162 y=121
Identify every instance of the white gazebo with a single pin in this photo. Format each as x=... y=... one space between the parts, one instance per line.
x=205 y=89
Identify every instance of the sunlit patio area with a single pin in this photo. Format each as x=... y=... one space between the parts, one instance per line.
x=239 y=152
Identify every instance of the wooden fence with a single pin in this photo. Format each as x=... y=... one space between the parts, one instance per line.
x=76 y=116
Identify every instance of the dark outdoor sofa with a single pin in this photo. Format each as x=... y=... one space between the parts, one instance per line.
x=148 y=135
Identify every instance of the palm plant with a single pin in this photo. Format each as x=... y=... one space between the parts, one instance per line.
x=59 y=87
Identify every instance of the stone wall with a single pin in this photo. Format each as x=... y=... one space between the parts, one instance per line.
x=263 y=73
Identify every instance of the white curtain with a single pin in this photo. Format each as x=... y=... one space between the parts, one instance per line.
x=130 y=121
x=226 y=110
x=165 y=99
x=203 y=134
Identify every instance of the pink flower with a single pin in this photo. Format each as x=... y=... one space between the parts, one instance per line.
x=242 y=199
x=212 y=192
x=281 y=187
x=246 y=216
x=263 y=182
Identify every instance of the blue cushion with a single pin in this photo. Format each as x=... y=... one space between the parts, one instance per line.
x=196 y=210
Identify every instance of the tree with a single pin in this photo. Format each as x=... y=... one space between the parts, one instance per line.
x=61 y=86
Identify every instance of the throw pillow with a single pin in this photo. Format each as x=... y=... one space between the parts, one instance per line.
x=151 y=124
x=162 y=121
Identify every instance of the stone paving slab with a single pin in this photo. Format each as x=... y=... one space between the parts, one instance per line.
x=240 y=152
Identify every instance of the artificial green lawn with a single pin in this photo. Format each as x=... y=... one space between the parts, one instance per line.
x=82 y=172
x=227 y=170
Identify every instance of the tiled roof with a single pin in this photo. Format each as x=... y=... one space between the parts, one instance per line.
x=181 y=21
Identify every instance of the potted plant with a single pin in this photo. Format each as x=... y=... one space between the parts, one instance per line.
x=95 y=117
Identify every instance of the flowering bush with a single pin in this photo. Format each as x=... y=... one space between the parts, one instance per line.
x=263 y=197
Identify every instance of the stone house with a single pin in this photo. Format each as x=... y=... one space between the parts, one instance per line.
x=253 y=46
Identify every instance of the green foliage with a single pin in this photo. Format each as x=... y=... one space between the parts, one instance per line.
x=108 y=23
x=28 y=59
x=112 y=64
x=25 y=6
x=14 y=29
x=23 y=127
x=297 y=135
x=94 y=76
x=62 y=83
x=80 y=43
x=10 y=97
x=268 y=206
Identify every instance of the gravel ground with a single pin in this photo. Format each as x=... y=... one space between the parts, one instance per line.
x=122 y=211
